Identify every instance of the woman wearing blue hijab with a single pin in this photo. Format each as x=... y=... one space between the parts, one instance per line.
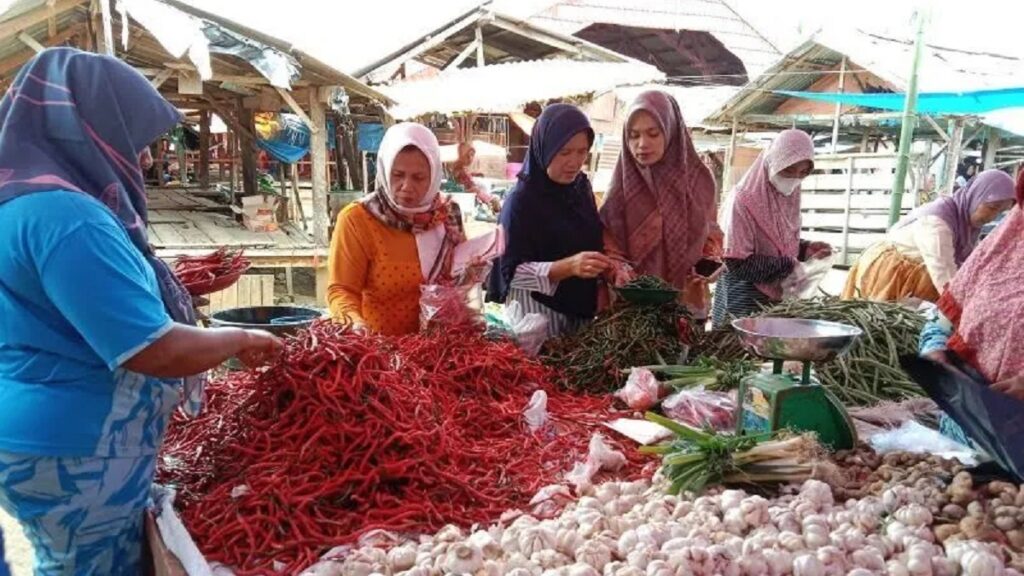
x=554 y=253
x=96 y=342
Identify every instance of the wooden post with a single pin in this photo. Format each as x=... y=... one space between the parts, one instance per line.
x=204 y=149
x=479 y=46
x=232 y=167
x=246 y=149
x=992 y=143
x=179 y=150
x=298 y=197
x=318 y=155
x=952 y=158
x=839 y=109
x=730 y=154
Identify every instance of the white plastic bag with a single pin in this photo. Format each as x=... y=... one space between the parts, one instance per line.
x=530 y=330
x=918 y=439
x=600 y=457
x=803 y=282
x=641 y=390
x=536 y=412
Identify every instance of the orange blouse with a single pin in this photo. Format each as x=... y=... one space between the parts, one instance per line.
x=375 y=274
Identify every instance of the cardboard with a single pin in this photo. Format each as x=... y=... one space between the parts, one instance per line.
x=259 y=213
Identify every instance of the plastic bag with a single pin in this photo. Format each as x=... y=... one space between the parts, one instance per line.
x=992 y=420
x=803 y=282
x=444 y=307
x=529 y=330
x=536 y=412
x=702 y=408
x=641 y=390
x=915 y=438
x=600 y=457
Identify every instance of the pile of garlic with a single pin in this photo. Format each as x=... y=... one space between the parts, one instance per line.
x=635 y=529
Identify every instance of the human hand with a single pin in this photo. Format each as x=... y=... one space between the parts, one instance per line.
x=621 y=274
x=818 y=250
x=588 y=265
x=696 y=271
x=259 y=348
x=1011 y=386
x=937 y=356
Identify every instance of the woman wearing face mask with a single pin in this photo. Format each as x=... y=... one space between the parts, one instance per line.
x=762 y=238
x=395 y=240
x=923 y=251
x=97 y=346
x=660 y=210
x=554 y=252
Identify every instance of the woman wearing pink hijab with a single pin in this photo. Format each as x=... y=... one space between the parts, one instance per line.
x=762 y=242
x=660 y=211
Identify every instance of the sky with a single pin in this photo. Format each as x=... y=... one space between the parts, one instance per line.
x=352 y=34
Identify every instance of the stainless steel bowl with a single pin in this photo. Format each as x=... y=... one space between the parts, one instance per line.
x=795 y=338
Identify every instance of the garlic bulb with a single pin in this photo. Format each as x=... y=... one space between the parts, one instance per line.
x=401 y=557
x=464 y=558
x=536 y=539
x=913 y=515
x=808 y=565
x=582 y=570
x=980 y=563
x=594 y=554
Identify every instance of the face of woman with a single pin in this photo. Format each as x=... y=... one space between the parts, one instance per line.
x=800 y=170
x=989 y=211
x=410 y=178
x=568 y=162
x=646 y=141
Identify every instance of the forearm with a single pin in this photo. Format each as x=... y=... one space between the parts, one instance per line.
x=560 y=270
x=935 y=335
x=187 y=350
x=760 y=269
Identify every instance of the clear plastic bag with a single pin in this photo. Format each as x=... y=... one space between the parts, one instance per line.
x=803 y=282
x=641 y=391
x=445 y=307
x=702 y=409
x=536 y=412
x=529 y=330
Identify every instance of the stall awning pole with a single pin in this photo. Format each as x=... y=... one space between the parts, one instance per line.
x=907 y=131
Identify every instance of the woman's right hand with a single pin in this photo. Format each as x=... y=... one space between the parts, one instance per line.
x=586 y=265
x=259 y=348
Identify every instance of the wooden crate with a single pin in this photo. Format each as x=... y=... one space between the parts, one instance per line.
x=250 y=290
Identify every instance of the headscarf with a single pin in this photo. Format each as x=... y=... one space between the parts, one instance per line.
x=985 y=300
x=547 y=221
x=78 y=121
x=761 y=220
x=956 y=210
x=436 y=222
x=661 y=216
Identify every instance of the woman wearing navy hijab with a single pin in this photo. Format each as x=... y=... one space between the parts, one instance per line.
x=555 y=251
x=96 y=343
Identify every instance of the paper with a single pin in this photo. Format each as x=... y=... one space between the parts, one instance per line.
x=483 y=248
x=639 y=431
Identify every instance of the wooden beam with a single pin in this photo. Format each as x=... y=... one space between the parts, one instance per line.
x=822 y=119
x=318 y=155
x=479 y=46
x=160 y=78
x=16 y=60
x=204 y=148
x=287 y=97
x=247 y=150
x=51 y=20
x=429 y=43
x=469 y=49
x=31 y=42
x=538 y=37
x=229 y=78
x=29 y=19
x=232 y=123
x=935 y=126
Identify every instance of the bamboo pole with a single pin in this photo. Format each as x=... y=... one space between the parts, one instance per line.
x=907 y=131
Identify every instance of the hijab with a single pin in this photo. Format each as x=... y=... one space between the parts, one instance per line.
x=78 y=121
x=985 y=300
x=956 y=210
x=546 y=221
x=762 y=220
x=661 y=215
x=435 y=222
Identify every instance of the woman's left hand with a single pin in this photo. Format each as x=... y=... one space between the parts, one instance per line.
x=818 y=250
x=1011 y=386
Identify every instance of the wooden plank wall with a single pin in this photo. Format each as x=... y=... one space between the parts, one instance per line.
x=250 y=290
x=846 y=201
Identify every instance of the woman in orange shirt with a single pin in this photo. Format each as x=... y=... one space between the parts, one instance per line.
x=395 y=240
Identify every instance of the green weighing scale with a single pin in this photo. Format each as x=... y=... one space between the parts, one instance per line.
x=777 y=401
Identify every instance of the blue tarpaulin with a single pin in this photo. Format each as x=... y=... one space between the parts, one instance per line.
x=286 y=137
x=979 y=102
x=370 y=134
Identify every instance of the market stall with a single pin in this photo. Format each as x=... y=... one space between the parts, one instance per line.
x=629 y=448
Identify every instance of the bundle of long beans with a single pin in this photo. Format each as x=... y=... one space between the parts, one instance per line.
x=870 y=372
x=721 y=344
x=621 y=337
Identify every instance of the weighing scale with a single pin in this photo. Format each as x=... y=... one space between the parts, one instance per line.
x=776 y=401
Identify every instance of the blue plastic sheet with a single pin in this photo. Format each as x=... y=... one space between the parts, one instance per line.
x=977 y=102
x=286 y=137
x=370 y=135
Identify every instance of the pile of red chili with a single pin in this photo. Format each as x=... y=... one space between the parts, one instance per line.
x=197 y=271
x=350 y=433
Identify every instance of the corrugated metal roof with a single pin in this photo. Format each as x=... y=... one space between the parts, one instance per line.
x=943 y=69
x=695 y=102
x=506 y=88
x=713 y=16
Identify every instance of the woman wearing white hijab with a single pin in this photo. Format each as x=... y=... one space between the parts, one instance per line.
x=395 y=240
